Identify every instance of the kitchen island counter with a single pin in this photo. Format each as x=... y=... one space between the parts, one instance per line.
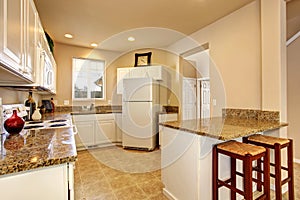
x=187 y=152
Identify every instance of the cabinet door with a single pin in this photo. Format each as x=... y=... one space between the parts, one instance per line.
x=11 y=33
x=138 y=72
x=118 y=120
x=85 y=135
x=31 y=30
x=105 y=131
x=155 y=72
x=121 y=74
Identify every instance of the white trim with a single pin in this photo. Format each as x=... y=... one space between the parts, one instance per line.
x=297 y=160
x=292 y=39
x=168 y=194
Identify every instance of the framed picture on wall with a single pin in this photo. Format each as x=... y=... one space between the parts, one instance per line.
x=142 y=59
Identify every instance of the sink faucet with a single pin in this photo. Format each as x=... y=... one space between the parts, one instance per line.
x=92 y=107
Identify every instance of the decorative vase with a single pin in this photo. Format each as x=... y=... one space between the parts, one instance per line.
x=14 y=124
x=36 y=115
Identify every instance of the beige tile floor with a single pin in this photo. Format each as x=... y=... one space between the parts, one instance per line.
x=100 y=175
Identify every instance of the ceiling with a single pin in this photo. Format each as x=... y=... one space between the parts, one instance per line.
x=154 y=23
x=293 y=18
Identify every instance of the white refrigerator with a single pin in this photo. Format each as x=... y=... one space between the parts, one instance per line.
x=139 y=113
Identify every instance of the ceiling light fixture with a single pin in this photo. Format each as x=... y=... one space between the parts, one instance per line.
x=94 y=44
x=68 y=35
x=131 y=39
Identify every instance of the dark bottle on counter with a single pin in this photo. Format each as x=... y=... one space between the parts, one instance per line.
x=53 y=105
x=31 y=104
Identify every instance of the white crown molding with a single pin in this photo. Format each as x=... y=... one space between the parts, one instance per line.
x=292 y=39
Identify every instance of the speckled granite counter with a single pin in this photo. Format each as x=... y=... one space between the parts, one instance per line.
x=224 y=128
x=38 y=148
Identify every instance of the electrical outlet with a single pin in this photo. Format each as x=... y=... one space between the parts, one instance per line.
x=214 y=101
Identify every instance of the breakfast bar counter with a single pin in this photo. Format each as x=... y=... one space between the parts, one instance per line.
x=186 y=147
x=223 y=128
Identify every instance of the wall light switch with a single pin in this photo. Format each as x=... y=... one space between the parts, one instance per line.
x=66 y=102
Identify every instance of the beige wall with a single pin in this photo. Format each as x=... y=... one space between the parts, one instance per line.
x=293 y=100
x=234 y=47
x=235 y=58
x=63 y=56
x=16 y=97
x=64 y=53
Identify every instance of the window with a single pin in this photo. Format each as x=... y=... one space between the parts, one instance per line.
x=88 y=79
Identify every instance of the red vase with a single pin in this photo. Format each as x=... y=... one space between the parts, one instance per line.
x=14 y=124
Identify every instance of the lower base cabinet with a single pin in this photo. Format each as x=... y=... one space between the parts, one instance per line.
x=95 y=130
x=48 y=183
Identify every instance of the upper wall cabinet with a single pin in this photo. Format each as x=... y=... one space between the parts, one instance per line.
x=155 y=72
x=25 y=57
x=17 y=42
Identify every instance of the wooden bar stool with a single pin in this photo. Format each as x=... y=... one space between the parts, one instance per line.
x=247 y=153
x=277 y=144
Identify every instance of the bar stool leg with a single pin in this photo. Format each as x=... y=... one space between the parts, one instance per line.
x=233 y=178
x=215 y=174
x=278 y=191
x=247 y=167
x=259 y=178
x=291 y=170
x=267 y=174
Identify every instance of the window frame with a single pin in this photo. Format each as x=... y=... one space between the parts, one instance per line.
x=89 y=98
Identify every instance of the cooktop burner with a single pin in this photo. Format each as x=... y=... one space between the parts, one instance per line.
x=57 y=120
x=35 y=122
x=57 y=125
x=33 y=126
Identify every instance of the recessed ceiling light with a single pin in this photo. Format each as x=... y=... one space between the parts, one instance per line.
x=131 y=39
x=68 y=35
x=94 y=44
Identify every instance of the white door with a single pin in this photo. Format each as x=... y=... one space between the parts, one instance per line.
x=205 y=99
x=189 y=97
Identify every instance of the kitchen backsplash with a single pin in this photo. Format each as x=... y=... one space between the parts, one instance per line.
x=252 y=114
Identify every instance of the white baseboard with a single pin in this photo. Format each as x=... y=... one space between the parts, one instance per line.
x=168 y=194
x=297 y=160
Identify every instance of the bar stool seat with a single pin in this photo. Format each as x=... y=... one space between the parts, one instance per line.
x=277 y=144
x=247 y=153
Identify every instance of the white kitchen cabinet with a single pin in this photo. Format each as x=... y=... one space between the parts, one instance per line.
x=121 y=74
x=155 y=72
x=95 y=130
x=22 y=46
x=138 y=72
x=48 y=183
x=12 y=34
x=18 y=37
x=105 y=132
x=85 y=135
x=30 y=27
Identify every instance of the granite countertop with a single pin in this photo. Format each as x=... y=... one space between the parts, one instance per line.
x=224 y=128
x=33 y=149
x=95 y=112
